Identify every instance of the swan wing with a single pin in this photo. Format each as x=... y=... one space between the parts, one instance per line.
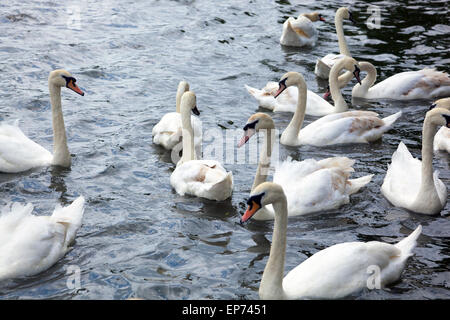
x=345 y=127
x=339 y=270
x=202 y=178
x=324 y=65
x=312 y=186
x=403 y=178
x=298 y=32
x=168 y=131
x=18 y=153
x=442 y=140
x=423 y=84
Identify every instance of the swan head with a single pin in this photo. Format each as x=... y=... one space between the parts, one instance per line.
x=345 y=13
x=438 y=117
x=189 y=100
x=314 y=16
x=441 y=103
x=62 y=78
x=264 y=194
x=289 y=79
x=255 y=123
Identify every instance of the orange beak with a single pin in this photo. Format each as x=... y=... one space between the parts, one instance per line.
x=72 y=86
x=251 y=210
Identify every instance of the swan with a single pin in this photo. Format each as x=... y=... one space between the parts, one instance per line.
x=315 y=104
x=167 y=132
x=442 y=137
x=337 y=128
x=202 y=178
x=18 y=153
x=410 y=183
x=323 y=66
x=310 y=185
x=422 y=84
x=333 y=273
x=30 y=244
x=301 y=31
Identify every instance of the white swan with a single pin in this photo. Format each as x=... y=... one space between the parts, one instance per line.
x=301 y=31
x=310 y=185
x=333 y=273
x=442 y=137
x=410 y=183
x=324 y=65
x=423 y=84
x=18 y=153
x=202 y=178
x=338 y=128
x=30 y=244
x=315 y=105
x=167 y=132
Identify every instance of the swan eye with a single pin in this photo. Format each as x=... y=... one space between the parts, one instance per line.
x=447 y=119
x=432 y=106
x=255 y=199
x=250 y=125
x=350 y=17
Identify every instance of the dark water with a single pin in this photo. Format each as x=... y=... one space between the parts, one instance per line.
x=139 y=238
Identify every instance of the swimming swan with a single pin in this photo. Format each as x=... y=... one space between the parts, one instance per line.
x=333 y=273
x=18 y=153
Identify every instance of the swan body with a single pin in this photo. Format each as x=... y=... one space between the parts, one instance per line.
x=333 y=273
x=442 y=138
x=202 y=178
x=168 y=131
x=324 y=65
x=309 y=185
x=18 y=153
x=423 y=84
x=337 y=128
x=301 y=31
x=30 y=244
x=287 y=100
x=410 y=183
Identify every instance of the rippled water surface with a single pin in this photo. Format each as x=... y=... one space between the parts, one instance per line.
x=139 y=238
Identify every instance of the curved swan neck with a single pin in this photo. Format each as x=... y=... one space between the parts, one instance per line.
x=61 y=154
x=188 y=135
x=183 y=86
x=336 y=95
x=262 y=171
x=338 y=22
x=290 y=134
x=368 y=80
x=271 y=286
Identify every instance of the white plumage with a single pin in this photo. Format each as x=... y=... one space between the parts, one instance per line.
x=30 y=244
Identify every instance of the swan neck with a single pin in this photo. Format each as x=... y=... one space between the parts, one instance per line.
x=293 y=129
x=271 y=286
x=370 y=78
x=336 y=95
x=188 y=135
x=343 y=48
x=428 y=132
x=61 y=155
x=262 y=171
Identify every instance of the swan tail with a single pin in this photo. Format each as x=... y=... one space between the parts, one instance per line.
x=389 y=121
x=70 y=217
x=409 y=243
x=253 y=91
x=358 y=183
x=222 y=190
